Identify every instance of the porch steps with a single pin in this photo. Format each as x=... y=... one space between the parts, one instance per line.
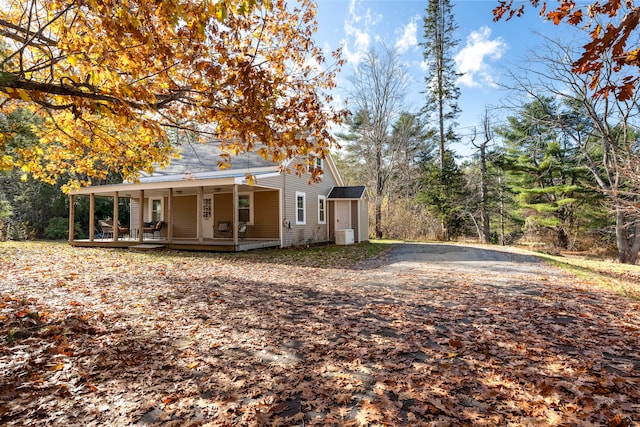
x=146 y=247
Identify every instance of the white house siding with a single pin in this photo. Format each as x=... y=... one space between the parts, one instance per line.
x=311 y=231
x=134 y=208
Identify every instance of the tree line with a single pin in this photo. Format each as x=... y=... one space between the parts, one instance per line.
x=560 y=170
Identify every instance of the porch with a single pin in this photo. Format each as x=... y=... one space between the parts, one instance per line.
x=207 y=245
x=220 y=214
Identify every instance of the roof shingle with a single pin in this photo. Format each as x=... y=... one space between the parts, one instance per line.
x=354 y=192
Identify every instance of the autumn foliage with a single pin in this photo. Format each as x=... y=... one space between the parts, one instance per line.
x=108 y=81
x=610 y=24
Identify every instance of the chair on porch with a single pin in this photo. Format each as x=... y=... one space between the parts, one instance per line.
x=224 y=228
x=151 y=228
x=107 y=229
x=242 y=230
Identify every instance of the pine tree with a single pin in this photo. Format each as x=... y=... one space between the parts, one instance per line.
x=441 y=91
x=544 y=171
x=443 y=192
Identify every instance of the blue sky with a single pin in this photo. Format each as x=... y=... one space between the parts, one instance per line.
x=485 y=53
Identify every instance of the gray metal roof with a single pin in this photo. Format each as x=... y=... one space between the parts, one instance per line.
x=355 y=192
x=200 y=161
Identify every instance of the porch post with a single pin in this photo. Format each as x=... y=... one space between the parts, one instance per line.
x=72 y=215
x=356 y=237
x=92 y=214
x=115 y=216
x=141 y=218
x=170 y=216
x=280 y=219
x=199 y=214
x=235 y=216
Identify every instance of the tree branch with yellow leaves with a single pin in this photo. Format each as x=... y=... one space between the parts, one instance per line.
x=248 y=69
x=610 y=25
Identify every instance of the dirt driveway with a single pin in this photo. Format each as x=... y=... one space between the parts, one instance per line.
x=502 y=269
x=424 y=335
x=487 y=263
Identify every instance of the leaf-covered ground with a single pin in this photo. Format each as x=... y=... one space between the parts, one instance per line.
x=110 y=337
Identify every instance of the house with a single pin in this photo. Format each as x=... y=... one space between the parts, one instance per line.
x=194 y=204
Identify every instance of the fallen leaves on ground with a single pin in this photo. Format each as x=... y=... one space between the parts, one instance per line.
x=95 y=336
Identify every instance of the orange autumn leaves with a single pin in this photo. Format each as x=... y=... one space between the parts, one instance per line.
x=308 y=337
x=110 y=83
x=610 y=25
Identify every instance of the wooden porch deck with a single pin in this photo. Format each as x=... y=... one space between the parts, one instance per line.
x=207 y=245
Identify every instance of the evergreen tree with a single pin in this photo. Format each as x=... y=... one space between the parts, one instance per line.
x=412 y=143
x=391 y=167
x=378 y=91
x=441 y=91
x=441 y=105
x=544 y=170
x=443 y=192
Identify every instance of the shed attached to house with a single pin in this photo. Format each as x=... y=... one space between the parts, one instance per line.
x=349 y=207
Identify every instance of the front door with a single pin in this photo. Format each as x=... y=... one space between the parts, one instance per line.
x=207 y=216
x=343 y=214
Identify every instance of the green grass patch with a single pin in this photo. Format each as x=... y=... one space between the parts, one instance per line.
x=624 y=279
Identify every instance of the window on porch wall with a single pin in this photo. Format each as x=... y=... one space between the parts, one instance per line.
x=155 y=210
x=245 y=208
x=301 y=212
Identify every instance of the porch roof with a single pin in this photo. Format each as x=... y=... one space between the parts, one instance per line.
x=197 y=167
x=213 y=180
x=349 y=193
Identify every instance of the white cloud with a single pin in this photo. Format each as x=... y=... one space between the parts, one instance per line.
x=473 y=60
x=408 y=39
x=358 y=28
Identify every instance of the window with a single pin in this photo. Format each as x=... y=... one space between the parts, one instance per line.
x=245 y=208
x=316 y=162
x=322 y=210
x=301 y=212
x=156 y=211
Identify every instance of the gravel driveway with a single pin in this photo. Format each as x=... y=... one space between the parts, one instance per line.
x=508 y=269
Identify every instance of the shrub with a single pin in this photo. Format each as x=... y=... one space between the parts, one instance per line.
x=58 y=228
x=407 y=219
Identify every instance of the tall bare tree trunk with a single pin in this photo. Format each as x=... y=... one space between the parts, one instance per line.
x=485 y=220
x=379 y=196
x=627 y=238
x=484 y=189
